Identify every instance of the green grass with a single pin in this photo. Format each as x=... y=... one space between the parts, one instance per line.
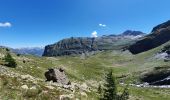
x=149 y=93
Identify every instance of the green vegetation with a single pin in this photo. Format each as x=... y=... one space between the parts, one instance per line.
x=110 y=90
x=10 y=62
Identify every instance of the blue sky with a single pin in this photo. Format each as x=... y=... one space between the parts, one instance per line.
x=30 y=23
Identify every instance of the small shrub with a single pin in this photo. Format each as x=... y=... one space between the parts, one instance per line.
x=18 y=55
x=7 y=49
x=32 y=93
x=10 y=62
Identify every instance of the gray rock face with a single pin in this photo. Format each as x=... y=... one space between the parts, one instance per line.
x=79 y=45
x=70 y=46
x=159 y=35
x=158 y=76
x=57 y=75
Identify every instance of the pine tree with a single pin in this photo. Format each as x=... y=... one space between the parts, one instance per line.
x=110 y=90
x=10 y=62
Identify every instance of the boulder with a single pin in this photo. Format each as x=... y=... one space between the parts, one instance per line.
x=24 y=87
x=57 y=75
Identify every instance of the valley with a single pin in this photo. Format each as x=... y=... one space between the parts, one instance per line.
x=90 y=71
x=75 y=68
x=84 y=50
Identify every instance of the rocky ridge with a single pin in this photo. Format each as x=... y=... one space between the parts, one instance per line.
x=159 y=35
x=79 y=45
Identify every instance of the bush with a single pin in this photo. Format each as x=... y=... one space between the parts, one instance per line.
x=10 y=62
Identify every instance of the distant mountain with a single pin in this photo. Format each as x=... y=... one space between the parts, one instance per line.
x=132 y=33
x=78 y=45
x=159 y=35
x=38 y=51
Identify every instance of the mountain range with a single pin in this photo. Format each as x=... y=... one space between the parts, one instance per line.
x=79 y=45
x=37 y=51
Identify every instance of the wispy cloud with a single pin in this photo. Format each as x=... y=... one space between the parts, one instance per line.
x=94 y=34
x=102 y=25
x=5 y=24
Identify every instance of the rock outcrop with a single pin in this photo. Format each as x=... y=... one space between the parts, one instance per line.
x=166 y=49
x=57 y=75
x=79 y=45
x=159 y=76
x=71 y=46
x=159 y=35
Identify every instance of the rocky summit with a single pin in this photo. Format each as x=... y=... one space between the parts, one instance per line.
x=79 y=45
x=159 y=35
x=133 y=33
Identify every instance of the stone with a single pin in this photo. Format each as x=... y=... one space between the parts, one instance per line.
x=49 y=87
x=33 y=88
x=27 y=77
x=83 y=94
x=84 y=87
x=24 y=87
x=57 y=75
x=66 y=97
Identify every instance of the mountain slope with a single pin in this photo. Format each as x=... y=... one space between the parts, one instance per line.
x=79 y=45
x=159 y=35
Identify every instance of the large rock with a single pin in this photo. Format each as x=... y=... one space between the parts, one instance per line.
x=158 y=76
x=57 y=75
x=159 y=35
x=79 y=45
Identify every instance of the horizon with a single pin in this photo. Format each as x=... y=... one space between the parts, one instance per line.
x=39 y=23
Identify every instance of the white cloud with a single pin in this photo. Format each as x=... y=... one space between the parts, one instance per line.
x=102 y=25
x=6 y=24
x=94 y=34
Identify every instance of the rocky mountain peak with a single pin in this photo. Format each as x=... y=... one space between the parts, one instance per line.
x=132 y=33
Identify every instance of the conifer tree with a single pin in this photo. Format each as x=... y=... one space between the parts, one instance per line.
x=110 y=90
x=10 y=62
